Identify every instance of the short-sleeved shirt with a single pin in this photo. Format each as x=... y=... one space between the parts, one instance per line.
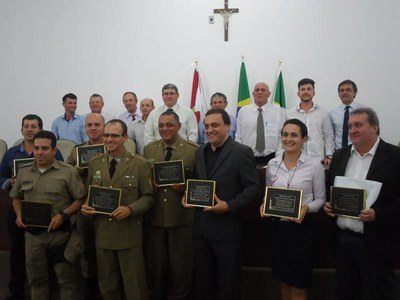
x=59 y=184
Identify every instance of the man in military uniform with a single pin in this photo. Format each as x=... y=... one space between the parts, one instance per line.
x=168 y=234
x=49 y=180
x=119 y=251
x=94 y=125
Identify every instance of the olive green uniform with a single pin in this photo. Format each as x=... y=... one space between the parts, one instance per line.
x=168 y=234
x=85 y=227
x=61 y=185
x=120 y=263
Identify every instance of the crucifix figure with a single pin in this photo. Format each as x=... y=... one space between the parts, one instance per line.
x=226 y=12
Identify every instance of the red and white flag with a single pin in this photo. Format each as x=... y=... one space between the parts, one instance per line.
x=198 y=101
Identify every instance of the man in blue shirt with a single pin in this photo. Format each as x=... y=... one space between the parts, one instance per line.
x=31 y=125
x=218 y=100
x=69 y=126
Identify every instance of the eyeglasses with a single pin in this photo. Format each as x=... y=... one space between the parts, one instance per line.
x=112 y=135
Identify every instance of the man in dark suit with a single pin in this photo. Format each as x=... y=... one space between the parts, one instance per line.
x=366 y=249
x=218 y=230
x=169 y=230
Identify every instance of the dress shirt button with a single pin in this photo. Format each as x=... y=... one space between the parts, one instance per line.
x=165 y=190
x=165 y=200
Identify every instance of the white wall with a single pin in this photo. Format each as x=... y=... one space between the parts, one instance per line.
x=51 y=47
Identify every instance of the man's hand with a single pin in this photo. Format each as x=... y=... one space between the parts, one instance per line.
x=220 y=208
x=19 y=222
x=121 y=213
x=56 y=222
x=179 y=187
x=87 y=210
x=367 y=215
x=328 y=209
x=184 y=204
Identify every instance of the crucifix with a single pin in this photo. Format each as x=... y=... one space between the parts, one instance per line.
x=226 y=12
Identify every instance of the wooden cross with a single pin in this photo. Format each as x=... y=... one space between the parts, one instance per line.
x=226 y=12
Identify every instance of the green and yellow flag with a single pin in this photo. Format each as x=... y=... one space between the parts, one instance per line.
x=279 y=96
x=244 y=92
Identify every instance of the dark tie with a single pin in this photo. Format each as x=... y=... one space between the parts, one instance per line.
x=170 y=109
x=168 y=155
x=133 y=117
x=345 y=134
x=113 y=164
x=260 y=138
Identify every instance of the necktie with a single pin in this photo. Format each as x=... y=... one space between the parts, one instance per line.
x=170 y=109
x=133 y=117
x=345 y=134
x=168 y=155
x=113 y=164
x=260 y=138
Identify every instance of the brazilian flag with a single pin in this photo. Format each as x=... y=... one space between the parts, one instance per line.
x=244 y=92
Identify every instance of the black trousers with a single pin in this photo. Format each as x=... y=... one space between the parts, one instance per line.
x=359 y=276
x=217 y=269
x=17 y=257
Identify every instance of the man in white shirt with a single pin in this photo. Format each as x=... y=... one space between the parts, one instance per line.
x=136 y=128
x=96 y=104
x=259 y=125
x=170 y=95
x=367 y=249
x=347 y=91
x=320 y=135
x=132 y=111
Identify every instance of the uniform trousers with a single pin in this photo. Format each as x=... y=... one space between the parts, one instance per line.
x=357 y=276
x=169 y=261
x=38 y=260
x=217 y=269
x=17 y=257
x=121 y=274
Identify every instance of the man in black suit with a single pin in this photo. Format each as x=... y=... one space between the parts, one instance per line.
x=366 y=249
x=218 y=230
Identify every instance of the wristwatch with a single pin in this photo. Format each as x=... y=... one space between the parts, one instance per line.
x=64 y=215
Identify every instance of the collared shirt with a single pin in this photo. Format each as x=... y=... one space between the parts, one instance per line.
x=211 y=156
x=336 y=117
x=136 y=133
x=246 y=132
x=357 y=167
x=7 y=164
x=187 y=118
x=59 y=184
x=307 y=175
x=202 y=131
x=320 y=135
x=73 y=130
x=127 y=117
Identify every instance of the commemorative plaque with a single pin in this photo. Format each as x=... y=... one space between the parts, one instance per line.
x=282 y=202
x=21 y=162
x=168 y=172
x=36 y=214
x=87 y=152
x=200 y=192
x=104 y=200
x=347 y=202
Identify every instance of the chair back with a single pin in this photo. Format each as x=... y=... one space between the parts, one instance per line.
x=65 y=147
x=3 y=149
x=130 y=145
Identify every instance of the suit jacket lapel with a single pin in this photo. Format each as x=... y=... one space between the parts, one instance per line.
x=343 y=161
x=179 y=150
x=379 y=157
